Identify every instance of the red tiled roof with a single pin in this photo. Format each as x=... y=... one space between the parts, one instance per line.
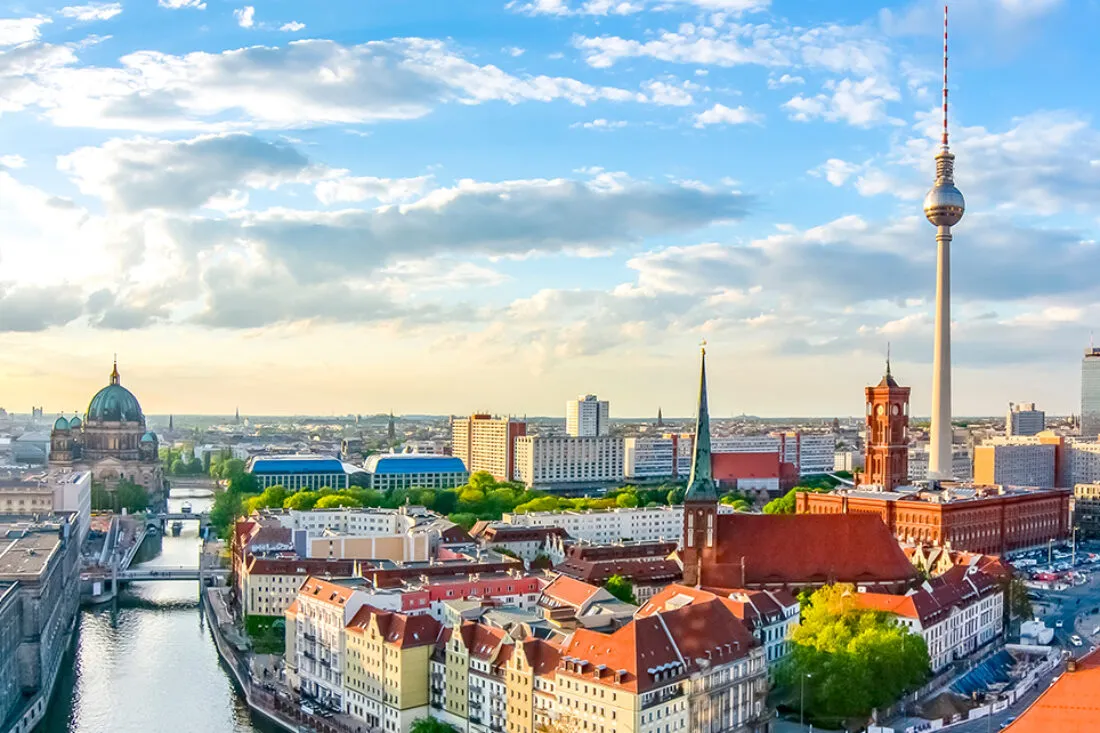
x=398 y=629
x=570 y=591
x=481 y=640
x=653 y=650
x=634 y=570
x=1070 y=705
x=541 y=655
x=804 y=549
x=322 y=590
x=292 y=609
x=585 y=551
x=957 y=588
x=752 y=607
x=732 y=466
x=303 y=566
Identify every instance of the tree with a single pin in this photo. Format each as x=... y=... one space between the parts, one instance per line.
x=243 y=483
x=302 y=501
x=1017 y=603
x=783 y=505
x=621 y=588
x=463 y=519
x=431 y=725
x=227 y=507
x=626 y=500
x=446 y=502
x=851 y=660
x=676 y=495
x=131 y=497
x=333 y=501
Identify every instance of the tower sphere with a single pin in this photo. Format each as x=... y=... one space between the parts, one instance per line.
x=944 y=205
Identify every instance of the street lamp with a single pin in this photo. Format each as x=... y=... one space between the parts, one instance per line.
x=1073 y=557
x=802 y=699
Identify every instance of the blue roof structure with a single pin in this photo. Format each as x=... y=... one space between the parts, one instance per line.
x=414 y=463
x=280 y=465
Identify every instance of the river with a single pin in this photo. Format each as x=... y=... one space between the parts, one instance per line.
x=157 y=668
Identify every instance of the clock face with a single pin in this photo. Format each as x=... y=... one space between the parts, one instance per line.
x=896 y=409
x=880 y=410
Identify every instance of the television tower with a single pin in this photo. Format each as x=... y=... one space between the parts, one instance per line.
x=944 y=207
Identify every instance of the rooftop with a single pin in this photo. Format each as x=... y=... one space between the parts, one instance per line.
x=1070 y=705
x=26 y=547
x=405 y=463
x=294 y=464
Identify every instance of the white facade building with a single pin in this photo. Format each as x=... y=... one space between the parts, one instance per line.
x=587 y=417
x=643 y=524
x=649 y=458
x=1081 y=463
x=812 y=453
x=1017 y=461
x=547 y=460
x=962 y=466
x=324 y=609
x=72 y=492
x=956 y=613
x=358 y=522
x=1024 y=419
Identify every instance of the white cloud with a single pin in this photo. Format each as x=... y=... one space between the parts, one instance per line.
x=860 y=103
x=836 y=171
x=347 y=189
x=246 y=16
x=177 y=4
x=784 y=80
x=306 y=83
x=720 y=114
x=292 y=27
x=92 y=11
x=12 y=161
x=514 y=51
x=601 y=124
x=667 y=93
x=14 y=31
x=629 y=7
x=138 y=174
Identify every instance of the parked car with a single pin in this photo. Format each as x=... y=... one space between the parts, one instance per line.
x=1059 y=624
x=1007 y=723
x=1075 y=640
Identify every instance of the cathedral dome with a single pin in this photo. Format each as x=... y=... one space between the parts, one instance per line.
x=75 y=422
x=61 y=424
x=115 y=403
x=149 y=437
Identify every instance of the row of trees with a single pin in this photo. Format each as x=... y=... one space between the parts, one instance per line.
x=127 y=495
x=786 y=504
x=848 y=661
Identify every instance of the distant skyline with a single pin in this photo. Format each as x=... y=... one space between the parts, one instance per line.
x=341 y=207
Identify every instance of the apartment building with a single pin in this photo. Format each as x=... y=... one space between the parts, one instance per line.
x=587 y=417
x=1086 y=509
x=546 y=461
x=812 y=453
x=1018 y=461
x=1023 y=419
x=386 y=668
x=605 y=526
x=955 y=613
x=267 y=586
x=487 y=443
x=315 y=638
x=962 y=465
x=649 y=458
x=357 y=534
x=524 y=541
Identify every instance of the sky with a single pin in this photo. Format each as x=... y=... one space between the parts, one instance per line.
x=440 y=206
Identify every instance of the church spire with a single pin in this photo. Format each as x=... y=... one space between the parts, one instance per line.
x=114 y=372
x=660 y=418
x=701 y=485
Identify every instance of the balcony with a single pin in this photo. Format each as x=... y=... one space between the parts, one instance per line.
x=659 y=698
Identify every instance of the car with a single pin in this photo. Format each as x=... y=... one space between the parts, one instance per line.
x=1096 y=631
x=1075 y=640
x=1059 y=624
x=1008 y=722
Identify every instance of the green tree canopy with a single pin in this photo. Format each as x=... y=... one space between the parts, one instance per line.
x=850 y=660
x=303 y=500
x=621 y=588
x=131 y=497
x=333 y=501
x=431 y=725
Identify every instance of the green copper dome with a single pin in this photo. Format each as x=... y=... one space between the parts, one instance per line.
x=149 y=437
x=75 y=422
x=61 y=424
x=115 y=403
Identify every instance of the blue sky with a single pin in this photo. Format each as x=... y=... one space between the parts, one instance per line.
x=446 y=206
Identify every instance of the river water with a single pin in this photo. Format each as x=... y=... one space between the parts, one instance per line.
x=156 y=668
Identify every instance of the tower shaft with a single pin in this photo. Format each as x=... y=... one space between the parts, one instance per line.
x=939 y=453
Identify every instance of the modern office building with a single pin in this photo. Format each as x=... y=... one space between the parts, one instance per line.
x=1090 y=393
x=1080 y=463
x=487 y=443
x=389 y=471
x=643 y=524
x=39 y=600
x=548 y=461
x=649 y=458
x=299 y=472
x=812 y=453
x=1024 y=419
x=1019 y=461
x=587 y=417
x=962 y=465
x=1086 y=509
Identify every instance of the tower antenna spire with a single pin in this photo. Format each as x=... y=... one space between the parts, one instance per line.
x=945 y=76
x=888 y=358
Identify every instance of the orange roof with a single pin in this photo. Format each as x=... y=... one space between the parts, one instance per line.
x=292 y=609
x=570 y=591
x=322 y=590
x=398 y=629
x=542 y=655
x=481 y=640
x=1070 y=705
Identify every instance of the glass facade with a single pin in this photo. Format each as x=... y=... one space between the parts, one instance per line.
x=1090 y=394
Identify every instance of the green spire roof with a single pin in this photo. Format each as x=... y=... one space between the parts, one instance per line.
x=701 y=485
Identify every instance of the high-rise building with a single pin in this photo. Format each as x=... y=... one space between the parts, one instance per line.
x=887 y=460
x=541 y=460
x=1019 y=461
x=487 y=443
x=1090 y=393
x=944 y=207
x=1024 y=419
x=586 y=417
